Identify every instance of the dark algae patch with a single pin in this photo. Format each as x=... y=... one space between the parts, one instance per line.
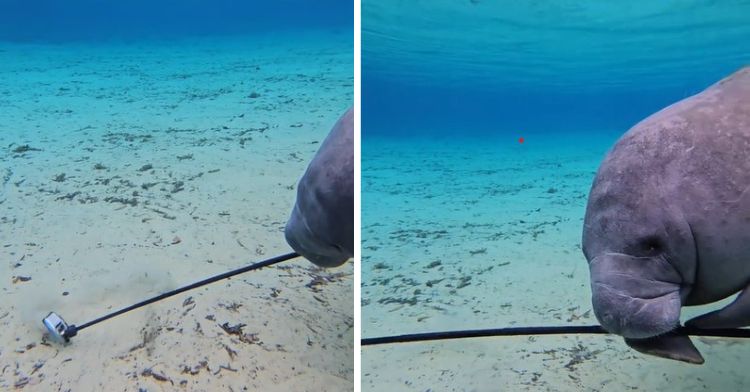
x=463 y=282
x=236 y=330
x=129 y=202
x=434 y=264
x=24 y=149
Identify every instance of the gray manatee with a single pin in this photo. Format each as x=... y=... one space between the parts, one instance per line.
x=321 y=226
x=668 y=221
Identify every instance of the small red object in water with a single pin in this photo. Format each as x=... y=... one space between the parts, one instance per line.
x=520 y=140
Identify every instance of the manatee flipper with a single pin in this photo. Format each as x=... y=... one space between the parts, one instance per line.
x=670 y=346
x=734 y=315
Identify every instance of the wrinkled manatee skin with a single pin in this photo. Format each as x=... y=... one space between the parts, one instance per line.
x=668 y=221
x=321 y=226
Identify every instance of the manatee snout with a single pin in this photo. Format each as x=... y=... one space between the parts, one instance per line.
x=635 y=297
x=319 y=251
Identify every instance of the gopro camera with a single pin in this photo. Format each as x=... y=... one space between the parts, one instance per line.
x=58 y=329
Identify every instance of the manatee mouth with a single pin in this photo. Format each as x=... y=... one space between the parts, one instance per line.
x=302 y=239
x=635 y=297
x=636 y=318
x=331 y=256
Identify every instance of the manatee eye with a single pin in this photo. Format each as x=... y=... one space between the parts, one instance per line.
x=651 y=245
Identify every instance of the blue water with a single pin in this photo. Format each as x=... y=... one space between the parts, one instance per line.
x=95 y=20
x=501 y=66
x=464 y=227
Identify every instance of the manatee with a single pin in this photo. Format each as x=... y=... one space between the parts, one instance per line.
x=668 y=221
x=321 y=226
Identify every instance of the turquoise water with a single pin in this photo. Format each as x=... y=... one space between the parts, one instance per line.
x=147 y=146
x=465 y=227
x=497 y=66
x=93 y=20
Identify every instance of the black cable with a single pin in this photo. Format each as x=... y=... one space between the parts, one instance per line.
x=265 y=263
x=563 y=330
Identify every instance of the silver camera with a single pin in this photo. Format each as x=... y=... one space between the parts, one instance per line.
x=58 y=329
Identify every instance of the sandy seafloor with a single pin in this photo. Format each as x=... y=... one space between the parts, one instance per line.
x=465 y=233
x=154 y=165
